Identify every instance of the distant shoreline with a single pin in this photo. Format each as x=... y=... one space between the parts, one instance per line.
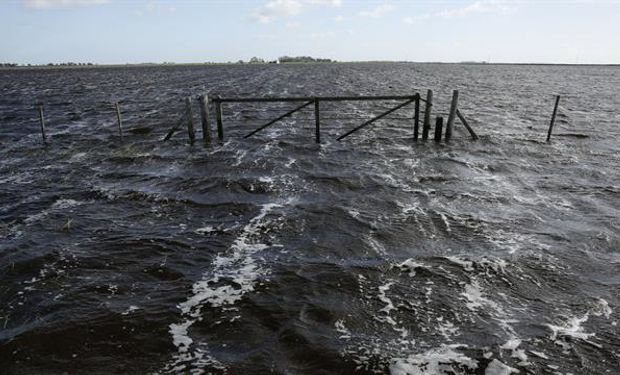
x=144 y=65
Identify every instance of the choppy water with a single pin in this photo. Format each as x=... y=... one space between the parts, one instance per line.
x=274 y=254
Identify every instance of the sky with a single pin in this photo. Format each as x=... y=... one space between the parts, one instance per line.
x=194 y=31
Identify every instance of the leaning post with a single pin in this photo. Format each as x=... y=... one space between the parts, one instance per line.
x=119 y=120
x=452 y=115
x=317 y=121
x=190 y=121
x=471 y=131
x=427 y=114
x=206 y=121
x=42 y=121
x=555 y=112
x=416 y=118
x=218 y=118
x=438 y=128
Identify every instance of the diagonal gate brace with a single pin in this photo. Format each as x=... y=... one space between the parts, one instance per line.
x=375 y=119
x=280 y=118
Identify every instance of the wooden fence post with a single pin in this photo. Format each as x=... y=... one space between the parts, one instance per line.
x=42 y=122
x=438 y=128
x=119 y=120
x=555 y=112
x=317 y=122
x=427 y=114
x=471 y=131
x=218 y=118
x=190 y=120
x=452 y=115
x=206 y=121
x=416 y=118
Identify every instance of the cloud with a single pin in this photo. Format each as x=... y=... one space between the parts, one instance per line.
x=322 y=35
x=154 y=7
x=266 y=36
x=378 y=11
x=482 y=6
x=51 y=4
x=412 y=20
x=275 y=9
x=476 y=7
x=334 y=3
x=293 y=25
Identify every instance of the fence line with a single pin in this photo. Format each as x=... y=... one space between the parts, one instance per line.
x=307 y=102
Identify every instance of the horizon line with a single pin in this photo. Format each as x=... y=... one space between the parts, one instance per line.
x=71 y=64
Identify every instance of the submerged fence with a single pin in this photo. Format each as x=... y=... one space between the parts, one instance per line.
x=315 y=101
x=421 y=125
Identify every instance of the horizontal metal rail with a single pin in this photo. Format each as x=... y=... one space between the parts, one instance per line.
x=312 y=98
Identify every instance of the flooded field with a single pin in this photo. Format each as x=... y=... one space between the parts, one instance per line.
x=376 y=254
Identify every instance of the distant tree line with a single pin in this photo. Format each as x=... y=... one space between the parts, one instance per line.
x=285 y=59
x=13 y=65
x=253 y=60
x=70 y=64
x=297 y=59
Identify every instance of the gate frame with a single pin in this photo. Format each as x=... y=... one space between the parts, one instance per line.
x=218 y=101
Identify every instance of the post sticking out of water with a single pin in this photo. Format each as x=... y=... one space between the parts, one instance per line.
x=206 y=121
x=190 y=120
x=471 y=131
x=119 y=120
x=438 y=128
x=555 y=112
x=416 y=118
x=317 y=122
x=427 y=114
x=42 y=121
x=452 y=115
x=218 y=118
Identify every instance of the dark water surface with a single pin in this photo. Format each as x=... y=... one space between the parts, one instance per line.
x=274 y=254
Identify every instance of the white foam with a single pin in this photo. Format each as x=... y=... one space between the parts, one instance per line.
x=572 y=327
x=180 y=336
x=601 y=308
x=514 y=242
x=130 y=309
x=234 y=274
x=445 y=220
x=340 y=328
x=466 y=264
x=497 y=367
x=355 y=214
x=66 y=203
x=410 y=265
x=239 y=156
x=434 y=361
x=539 y=354
x=205 y=230
x=290 y=162
x=511 y=344
x=376 y=245
x=387 y=310
x=474 y=294
x=60 y=204
x=447 y=328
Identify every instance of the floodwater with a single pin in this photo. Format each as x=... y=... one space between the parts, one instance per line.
x=273 y=254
